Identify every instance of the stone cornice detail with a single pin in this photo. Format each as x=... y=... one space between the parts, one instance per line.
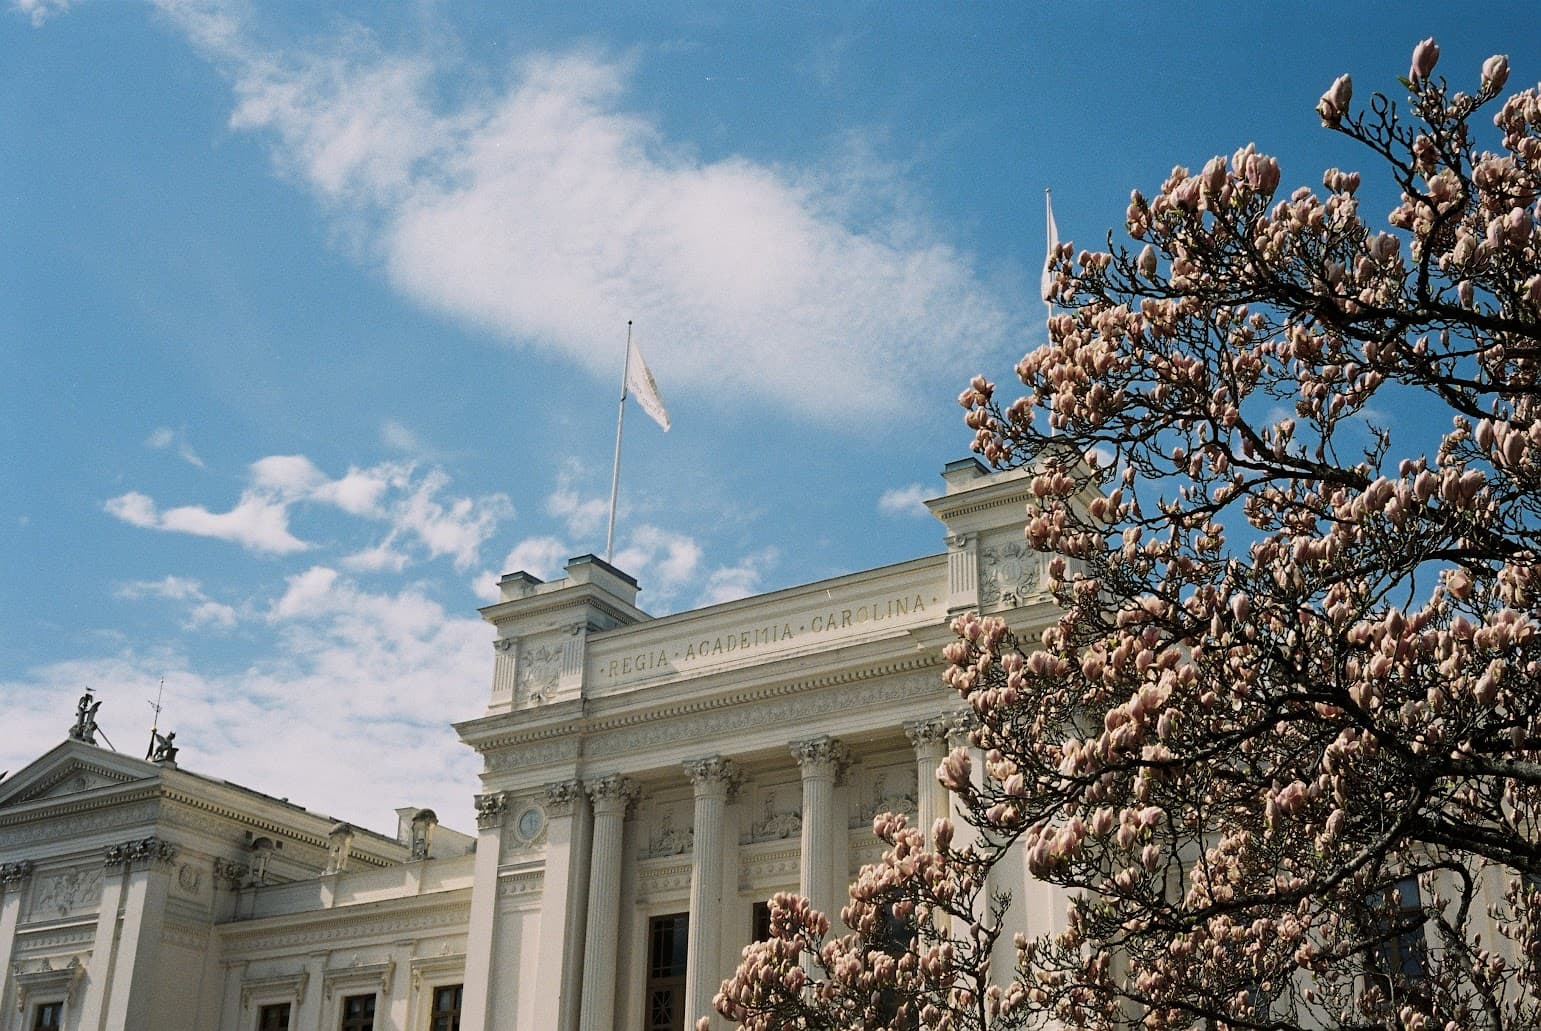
x=744 y=700
x=317 y=927
x=67 y=805
x=365 y=974
x=291 y=986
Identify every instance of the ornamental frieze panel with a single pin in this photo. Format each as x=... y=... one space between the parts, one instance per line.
x=66 y=893
x=538 y=671
x=776 y=814
x=662 y=879
x=884 y=789
x=1010 y=572
x=669 y=830
x=59 y=828
x=341 y=929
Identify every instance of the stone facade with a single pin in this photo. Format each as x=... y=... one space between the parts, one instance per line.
x=636 y=770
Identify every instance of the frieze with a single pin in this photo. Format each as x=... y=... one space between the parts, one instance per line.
x=69 y=891
x=777 y=819
x=888 y=790
x=667 y=837
x=518 y=884
x=56 y=828
x=532 y=753
x=340 y=928
x=56 y=939
x=187 y=936
x=799 y=709
x=765 y=870
x=539 y=671
x=662 y=879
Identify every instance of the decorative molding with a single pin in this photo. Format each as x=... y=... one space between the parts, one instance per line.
x=714 y=775
x=69 y=820
x=277 y=987
x=521 y=883
x=56 y=939
x=662 y=879
x=822 y=756
x=562 y=796
x=1010 y=572
x=14 y=875
x=764 y=870
x=928 y=734
x=490 y=809
x=615 y=793
x=337 y=925
x=189 y=879
x=359 y=975
x=57 y=895
x=140 y=852
x=47 y=981
x=775 y=823
x=435 y=969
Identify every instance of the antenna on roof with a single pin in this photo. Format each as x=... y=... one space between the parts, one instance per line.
x=155 y=724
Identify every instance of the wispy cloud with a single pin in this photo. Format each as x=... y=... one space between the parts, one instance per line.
x=413 y=506
x=164 y=438
x=202 y=611
x=39 y=11
x=728 y=583
x=909 y=500
x=544 y=209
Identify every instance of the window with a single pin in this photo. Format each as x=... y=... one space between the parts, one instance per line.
x=273 y=1017
x=761 y=929
x=668 y=938
x=358 y=1013
x=446 y=1008
x=49 y=1016
x=1396 y=964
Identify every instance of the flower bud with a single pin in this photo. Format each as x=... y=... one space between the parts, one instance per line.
x=1147 y=261
x=1495 y=72
x=1425 y=56
x=1334 y=103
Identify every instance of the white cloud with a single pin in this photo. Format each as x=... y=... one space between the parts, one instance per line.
x=547 y=212
x=202 y=611
x=545 y=557
x=164 y=437
x=909 y=500
x=582 y=516
x=672 y=558
x=727 y=583
x=412 y=506
x=399 y=437
x=39 y=11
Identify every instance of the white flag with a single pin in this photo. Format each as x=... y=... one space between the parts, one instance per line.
x=1047 y=281
x=639 y=380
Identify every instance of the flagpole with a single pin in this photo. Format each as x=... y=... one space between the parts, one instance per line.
x=1053 y=243
x=615 y=472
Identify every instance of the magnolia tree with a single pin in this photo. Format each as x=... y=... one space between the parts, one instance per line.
x=1282 y=749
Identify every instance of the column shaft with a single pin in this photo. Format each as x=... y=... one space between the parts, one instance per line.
x=713 y=779
x=822 y=760
x=612 y=797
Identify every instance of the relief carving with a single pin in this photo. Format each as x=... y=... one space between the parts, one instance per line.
x=1008 y=574
x=669 y=839
x=540 y=668
x=777 y=822
x=64 y=893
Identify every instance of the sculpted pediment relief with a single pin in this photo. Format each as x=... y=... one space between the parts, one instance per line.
x=70 y=777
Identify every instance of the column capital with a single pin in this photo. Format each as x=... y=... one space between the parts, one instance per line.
x=822 y=756
x=933 y=732
x=140 y=852
x=562 y=796
x=490 y=809
x=714 y=775
x=14 y=875
x=613 y=794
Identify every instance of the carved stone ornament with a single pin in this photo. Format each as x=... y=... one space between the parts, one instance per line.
x=140 y=851
x=13 y=875
x=503 y=644
x=822 y=755
x=562 y=796
x=668 y=839
x=490 y=809
x=540 y=667
x=885 y=798
x=714 y=773
x=613 y=793
x=189 y=878
x=63 y=893
x=230 y=875
x=1008 y=573
x=932 y=733
x=46 y=981
x=776 y=823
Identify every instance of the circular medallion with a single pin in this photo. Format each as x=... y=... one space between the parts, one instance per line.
x=530 y=823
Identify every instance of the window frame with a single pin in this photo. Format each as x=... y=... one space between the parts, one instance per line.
x=675 y=983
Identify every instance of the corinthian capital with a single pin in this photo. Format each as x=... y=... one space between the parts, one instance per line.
x=562 y=796
x=12 y=875
x=822 y=756
x=490 y=809
x=614 y=794
x=713 y=774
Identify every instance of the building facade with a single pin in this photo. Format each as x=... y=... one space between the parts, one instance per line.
x=647 y=784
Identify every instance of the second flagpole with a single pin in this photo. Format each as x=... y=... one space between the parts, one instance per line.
x=615 y=472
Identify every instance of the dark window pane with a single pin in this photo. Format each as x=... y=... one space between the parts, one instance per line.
x=274 y=1017
x=48 y=1017
x=358 y=1013
x=446 y=1007
x=668 y=942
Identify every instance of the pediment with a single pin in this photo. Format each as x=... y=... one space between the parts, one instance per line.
x=72 y=769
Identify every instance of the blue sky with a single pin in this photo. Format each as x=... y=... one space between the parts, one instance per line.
x=312 y=316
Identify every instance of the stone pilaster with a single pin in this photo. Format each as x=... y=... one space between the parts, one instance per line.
x=714 y=780
x=146 y=881
x=563 y=911
x=14 y=878
x=962 y=572
x=613 y=797
x=823 y=761
x=930 y=740
x=491 y=810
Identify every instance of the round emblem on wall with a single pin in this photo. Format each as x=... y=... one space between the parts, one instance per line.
x=530 y=823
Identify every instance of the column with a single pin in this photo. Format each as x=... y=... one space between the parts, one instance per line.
x=822 y=760
x=136 y=966
x=93 y=1005
x=490 y=812
x=613 y=797
x=563 y=909
x=13 y=881
x=714 y=779
x=930 y=740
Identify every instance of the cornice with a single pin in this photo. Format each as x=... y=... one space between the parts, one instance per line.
x=436 y=909
x=69 y=805
x=585 y=724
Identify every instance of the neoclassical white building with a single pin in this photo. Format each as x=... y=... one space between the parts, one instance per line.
x=647 y=784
